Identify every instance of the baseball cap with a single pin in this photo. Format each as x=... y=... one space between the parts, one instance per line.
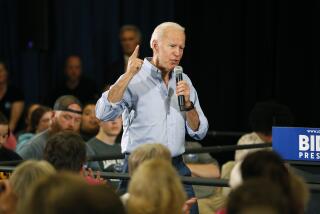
x=63 y=103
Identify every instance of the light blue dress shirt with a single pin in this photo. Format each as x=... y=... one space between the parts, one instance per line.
x=150 y=112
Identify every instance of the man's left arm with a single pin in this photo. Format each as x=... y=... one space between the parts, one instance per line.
x=192 y=116
x=196 y=122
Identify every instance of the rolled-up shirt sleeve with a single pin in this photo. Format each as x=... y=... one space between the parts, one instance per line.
x=106 y=110
x=204 y=125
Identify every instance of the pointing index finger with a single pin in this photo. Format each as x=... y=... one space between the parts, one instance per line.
x=135 y=53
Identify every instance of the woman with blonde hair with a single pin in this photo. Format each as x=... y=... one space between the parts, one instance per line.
x=66 y=192
x=14 y=191
x=146 y=152
x=27 y=173
x=155 y=188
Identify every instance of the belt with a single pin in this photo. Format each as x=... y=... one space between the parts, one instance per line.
x=177 y=158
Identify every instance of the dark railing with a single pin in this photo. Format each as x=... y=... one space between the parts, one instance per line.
x=211 y=149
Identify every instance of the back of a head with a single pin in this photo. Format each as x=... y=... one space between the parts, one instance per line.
x=265 y=164
x=66 y=151
x=27 y=173
x=155 y=188
x=270 y=166
x=68 y=193
x=264 y=115
x=147 y=152
x=258 y=196
x=160 y=30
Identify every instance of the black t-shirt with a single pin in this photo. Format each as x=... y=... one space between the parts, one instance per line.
x=12 y=95
x=8 y=155
x=86 y=91
x=101 y=148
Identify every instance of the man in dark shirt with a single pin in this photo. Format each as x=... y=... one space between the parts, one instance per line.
x=75 y=83
x=104 y=143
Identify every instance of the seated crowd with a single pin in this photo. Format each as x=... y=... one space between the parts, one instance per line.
x=55 y=176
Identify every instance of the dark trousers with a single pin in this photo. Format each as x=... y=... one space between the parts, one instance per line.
x=182 y=169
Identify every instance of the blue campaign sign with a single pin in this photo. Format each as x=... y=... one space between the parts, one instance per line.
x=294 y=143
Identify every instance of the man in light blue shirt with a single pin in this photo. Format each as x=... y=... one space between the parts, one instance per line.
x=147 y=97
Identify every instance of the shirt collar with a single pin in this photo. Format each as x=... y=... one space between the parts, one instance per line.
x=155 y=72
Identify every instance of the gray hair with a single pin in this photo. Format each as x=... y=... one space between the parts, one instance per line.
x=161 y=29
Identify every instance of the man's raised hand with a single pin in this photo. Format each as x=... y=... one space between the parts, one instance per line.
x=134 y=63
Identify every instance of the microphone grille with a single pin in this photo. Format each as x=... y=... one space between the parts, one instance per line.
x=178 y=69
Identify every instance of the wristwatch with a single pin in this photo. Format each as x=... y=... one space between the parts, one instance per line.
x=190 y=107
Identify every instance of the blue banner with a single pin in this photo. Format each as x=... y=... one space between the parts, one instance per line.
x=297 y=143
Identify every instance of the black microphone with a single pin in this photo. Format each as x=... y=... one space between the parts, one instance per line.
x=178 y=71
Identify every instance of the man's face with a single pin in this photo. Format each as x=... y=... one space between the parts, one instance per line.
x=169 y=49
x=112 y=128
x=67 y=121
x=3 y=74
x=73 y=68
x=89 y=122
x=129 y=40
x=4 y=133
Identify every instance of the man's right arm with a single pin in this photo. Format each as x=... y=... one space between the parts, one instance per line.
x=134 y=65
x=116 y=92
x=114 y=97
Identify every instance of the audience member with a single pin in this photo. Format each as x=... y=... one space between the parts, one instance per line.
x=263 y=116
x=26 y=174
x=66 y=193
x=6 y=154
x=142 y=153
x=27 y=118
x=39 y=122
x=8 y=199
x=89 y=123
x=67 y=151
x=155 y=188
x=269 y=165
x=104 y=143
x=75 y=82
x=258 y=196
x=11 y=99
x=204 y=166
x=145 y=152
x=66 y=115
x=130 y=37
